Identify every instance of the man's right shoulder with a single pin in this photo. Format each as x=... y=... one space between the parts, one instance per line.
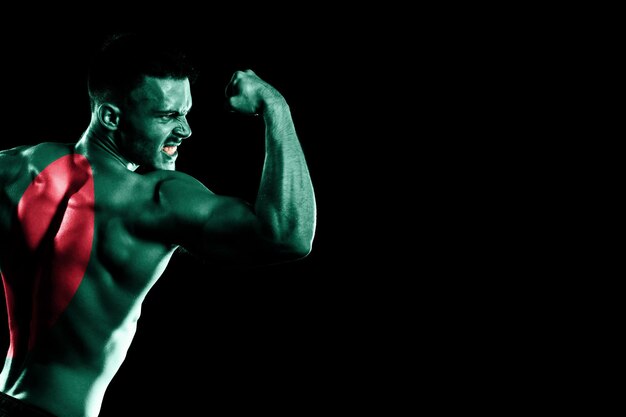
x=6 y=153
x=44 y=149
x=11 y=162
x=14 y=160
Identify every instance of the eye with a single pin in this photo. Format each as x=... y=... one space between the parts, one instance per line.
x=172 y=116
x=169 y=116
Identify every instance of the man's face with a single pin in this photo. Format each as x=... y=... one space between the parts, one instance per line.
x=153 y=123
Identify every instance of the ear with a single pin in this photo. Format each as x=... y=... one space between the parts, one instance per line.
x=109 y=116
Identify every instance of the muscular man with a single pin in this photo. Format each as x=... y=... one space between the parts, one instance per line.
x=84 y=235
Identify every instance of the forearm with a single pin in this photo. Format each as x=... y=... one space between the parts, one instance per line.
x=286 y=199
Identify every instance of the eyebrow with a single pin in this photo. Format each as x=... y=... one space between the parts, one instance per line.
x=176 y=112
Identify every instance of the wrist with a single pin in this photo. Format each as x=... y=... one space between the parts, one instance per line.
x=273 y=105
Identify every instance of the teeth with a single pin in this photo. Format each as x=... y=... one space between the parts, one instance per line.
x=170 y=150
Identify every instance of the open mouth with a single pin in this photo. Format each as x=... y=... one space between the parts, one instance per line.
x=170 y=149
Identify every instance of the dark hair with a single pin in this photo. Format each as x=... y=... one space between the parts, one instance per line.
x=125 y=58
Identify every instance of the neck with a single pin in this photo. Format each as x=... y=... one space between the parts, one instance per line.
x=99 y=145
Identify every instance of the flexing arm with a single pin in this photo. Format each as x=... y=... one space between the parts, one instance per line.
x=285 y=202
x=280 y=225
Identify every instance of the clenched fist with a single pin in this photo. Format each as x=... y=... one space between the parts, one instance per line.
x=248 y=94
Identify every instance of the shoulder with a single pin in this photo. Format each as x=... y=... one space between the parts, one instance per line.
x=54 y=148
x=23 y=163
x=36 y=156
x=187 y=199
x=48 y=152
x=175 y=182
x=179 y=192
x=40 y=154
x=176 y=207
x=7 y=155
x=12 y=162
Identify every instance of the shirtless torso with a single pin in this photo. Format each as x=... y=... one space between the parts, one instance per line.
x=84 y=238
x=81 y=258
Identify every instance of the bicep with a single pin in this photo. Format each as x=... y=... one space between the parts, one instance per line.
x=218 y=228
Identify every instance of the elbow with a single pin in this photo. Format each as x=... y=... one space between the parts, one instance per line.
x=292 y=242
x=297 y=248
x=301 y=250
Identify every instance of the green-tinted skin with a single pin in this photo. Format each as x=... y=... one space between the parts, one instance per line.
x=139 y=222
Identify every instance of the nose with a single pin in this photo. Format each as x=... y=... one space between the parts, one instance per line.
x=182 y=130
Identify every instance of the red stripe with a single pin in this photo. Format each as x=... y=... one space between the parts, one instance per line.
x=56 y=213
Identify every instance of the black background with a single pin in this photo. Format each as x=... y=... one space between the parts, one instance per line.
x=420 y=129
x=284 y=339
